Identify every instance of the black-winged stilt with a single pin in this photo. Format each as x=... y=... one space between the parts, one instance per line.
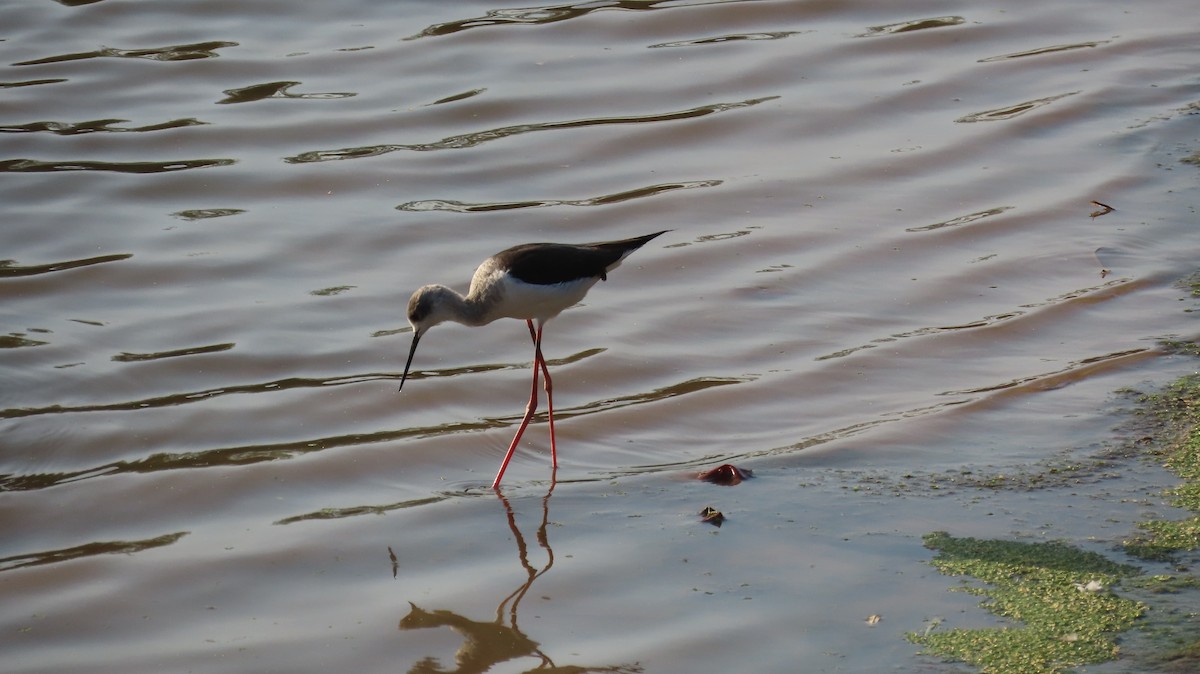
x=534 y=282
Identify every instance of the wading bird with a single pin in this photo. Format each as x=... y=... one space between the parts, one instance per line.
x=533 y=282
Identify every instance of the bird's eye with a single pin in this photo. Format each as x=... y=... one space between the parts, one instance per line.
x=418 y=309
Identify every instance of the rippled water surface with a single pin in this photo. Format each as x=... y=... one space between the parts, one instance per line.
x=907 y=238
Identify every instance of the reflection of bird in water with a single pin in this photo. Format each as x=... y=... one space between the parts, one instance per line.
x=533 y=282
x=488 y=643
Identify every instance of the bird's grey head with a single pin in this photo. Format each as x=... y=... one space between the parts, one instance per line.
x=430 y=305
x=420 y=306
x=427 y=307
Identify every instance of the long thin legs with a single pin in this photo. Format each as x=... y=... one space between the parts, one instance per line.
x=539 y=358
x=539 y=365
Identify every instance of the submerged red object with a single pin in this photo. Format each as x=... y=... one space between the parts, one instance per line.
x=727 y=474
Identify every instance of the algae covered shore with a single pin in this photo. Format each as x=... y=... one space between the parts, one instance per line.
x=1136 y=607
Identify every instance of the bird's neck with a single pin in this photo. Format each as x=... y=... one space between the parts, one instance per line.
x=469 y=310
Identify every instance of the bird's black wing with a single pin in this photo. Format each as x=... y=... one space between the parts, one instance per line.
x=551 y=263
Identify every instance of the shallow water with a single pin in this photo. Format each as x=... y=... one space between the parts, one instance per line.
x=884 y=261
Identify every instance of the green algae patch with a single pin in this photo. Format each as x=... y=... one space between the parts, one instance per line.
x=1178 y=409
x=1060 y=598
x=1058 y=593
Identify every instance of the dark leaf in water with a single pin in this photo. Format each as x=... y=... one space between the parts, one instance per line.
x=712 y=516
x=1105 y=209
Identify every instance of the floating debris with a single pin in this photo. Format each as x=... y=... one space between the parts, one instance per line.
x=1092 y=586
x=330 y=292
x=1105 y=209
x=206 y=213
x=727 y=474
x=712 y=516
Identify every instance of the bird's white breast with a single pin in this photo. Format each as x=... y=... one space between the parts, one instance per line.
x=541 y=302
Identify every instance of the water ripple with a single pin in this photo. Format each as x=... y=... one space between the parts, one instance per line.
x=961 y=220
x=1011 y=111
x=97 y=125
x=35 y=166
x=250 y=454
x=463 y=207
x=1089 y=294
x=18 y=340
x=1043 y=50
x=87 y=550
x=1074 y=371
x=186 y=397
x=125 y=357
x=258 y=92
x=338 y=513
x=207 y=213
x=10 y=268
x=181 y=52
x=31 y=83
x=915 y=24
x=473 y=139
x=719 y=39
x=555 y=13
x=459 y=97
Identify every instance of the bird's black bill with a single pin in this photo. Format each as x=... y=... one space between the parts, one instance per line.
x=411 y=350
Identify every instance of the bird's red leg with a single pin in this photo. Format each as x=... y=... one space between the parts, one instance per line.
x=539 y=358
x=529 y=410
